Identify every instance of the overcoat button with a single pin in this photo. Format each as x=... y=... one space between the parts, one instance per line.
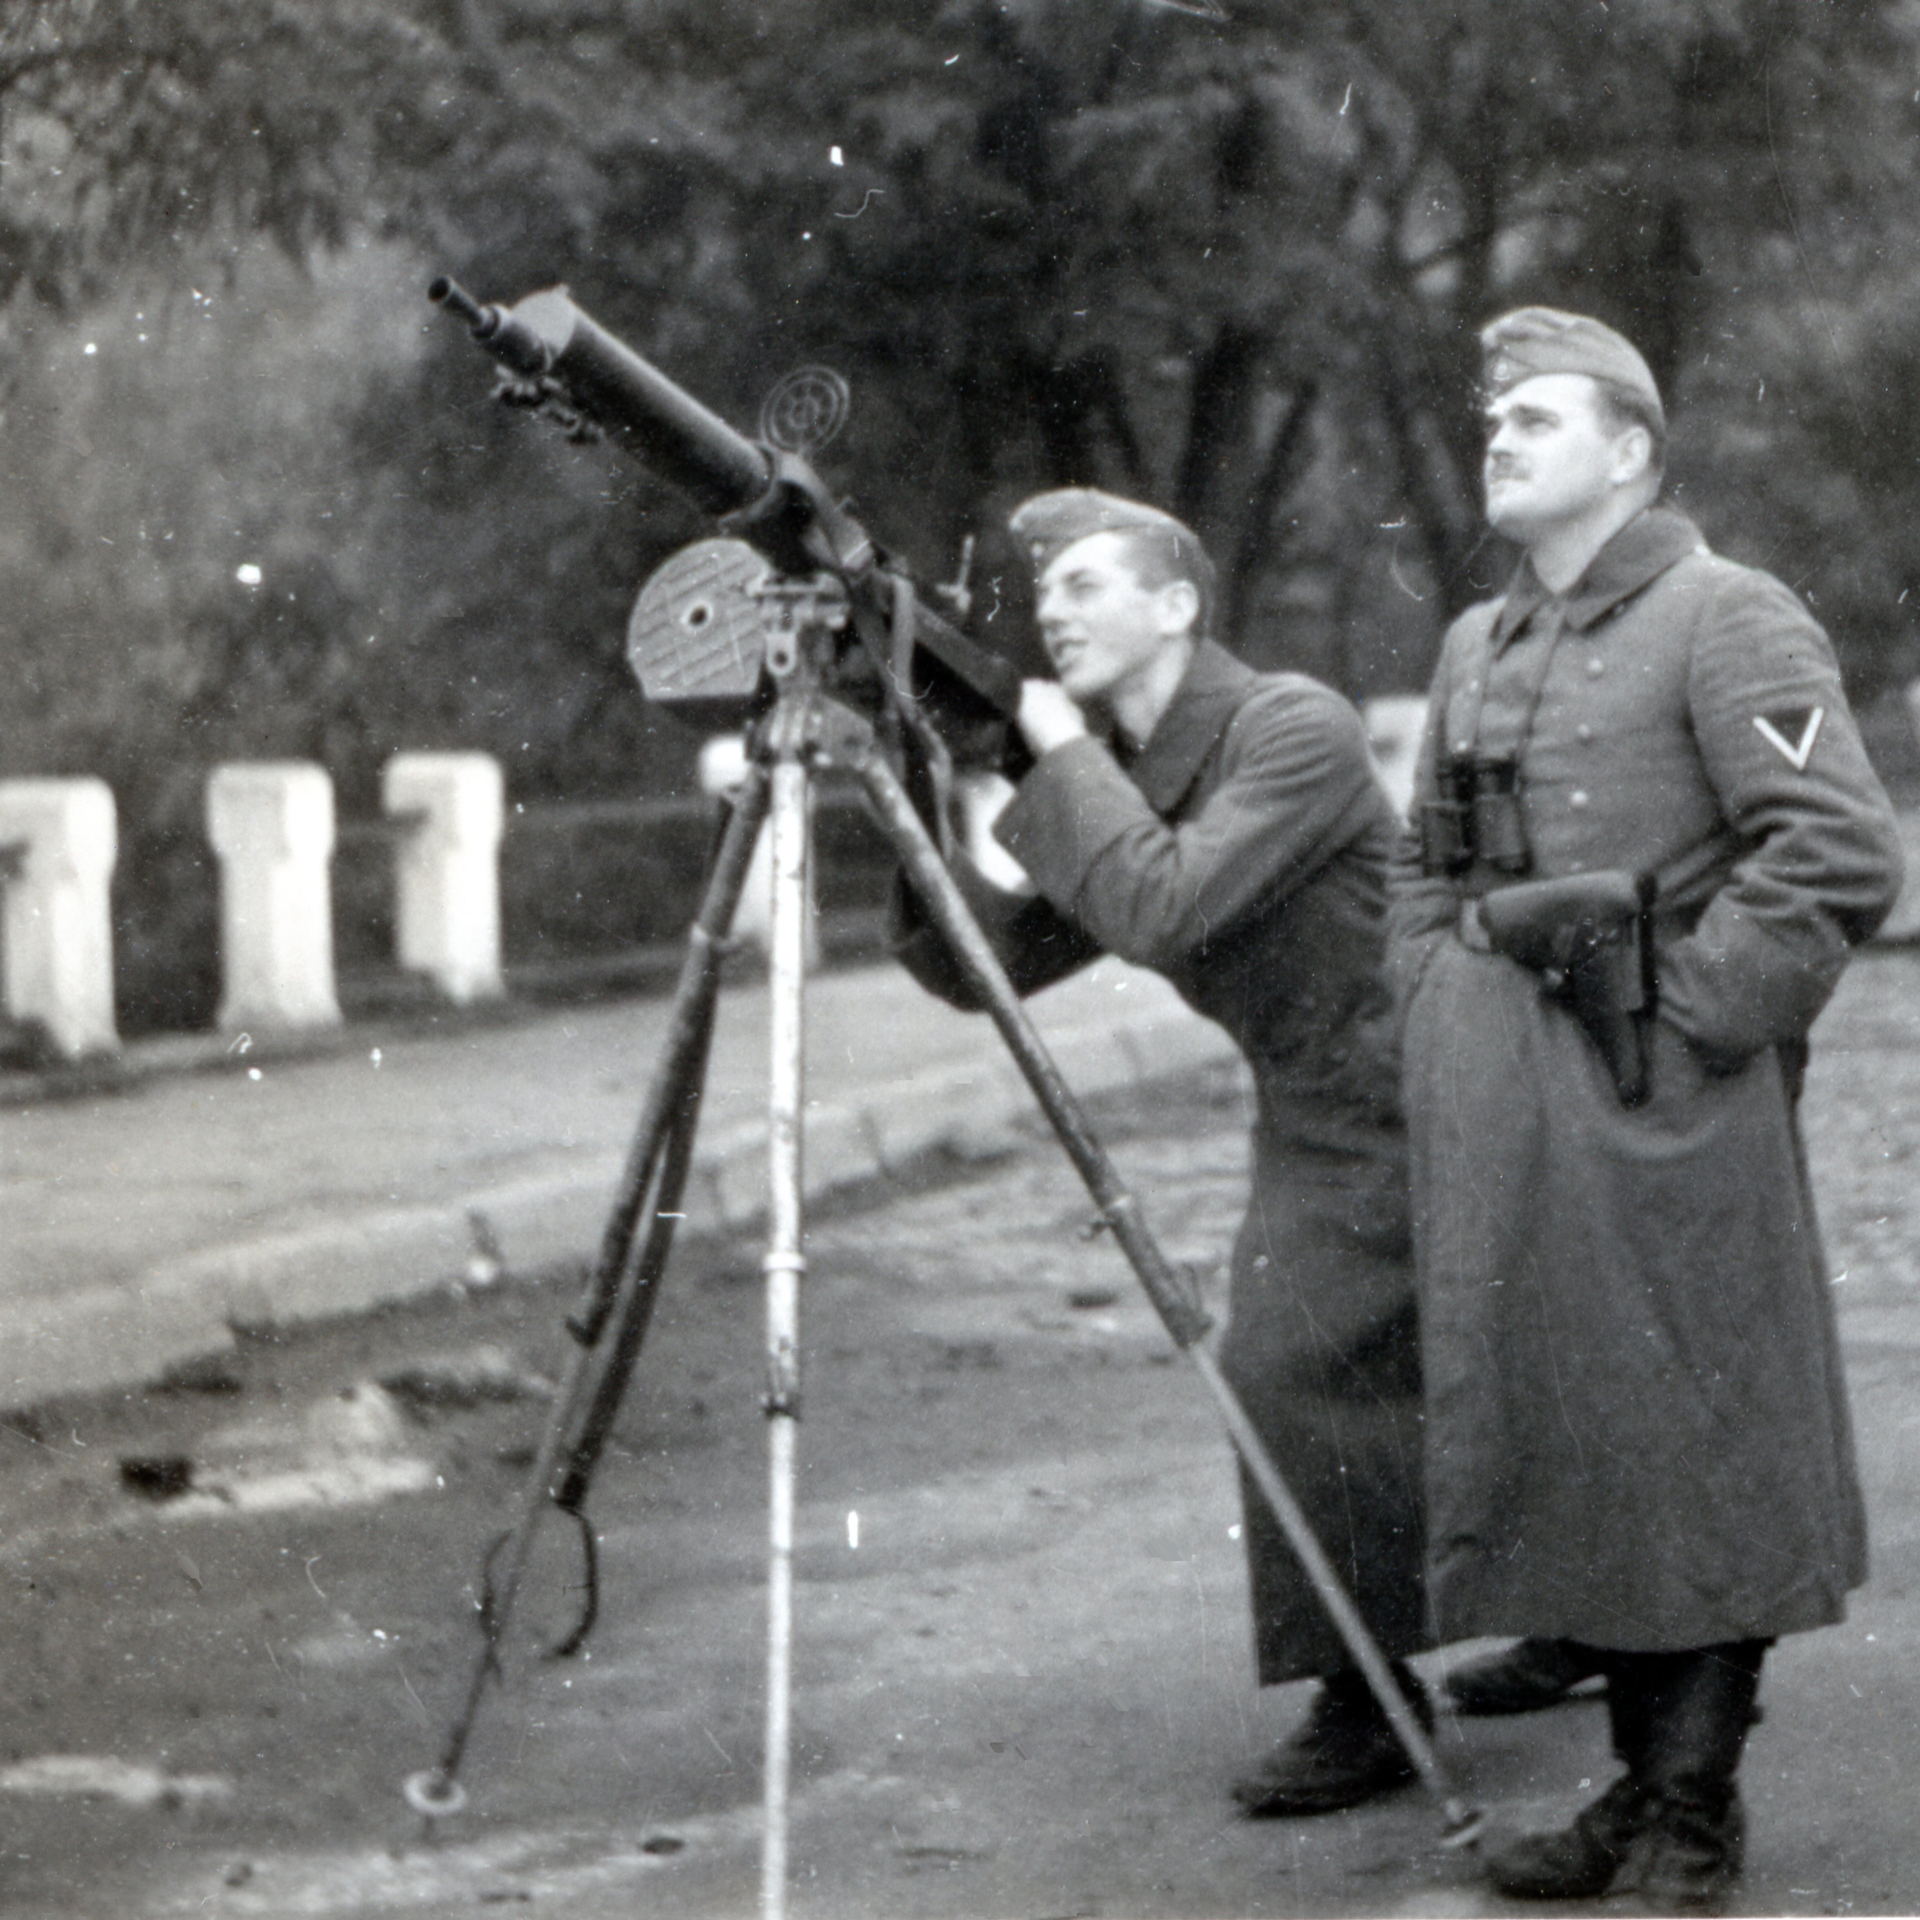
x=1595 y=668
x=1583 y=732
x=1577 y=798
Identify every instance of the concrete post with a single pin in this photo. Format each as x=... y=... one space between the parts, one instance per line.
x=979 y=799
x=723 y=765
x=271 y=823
x=57 y=960
x=1903 y=923
x=1395 y=724
x=447 y=869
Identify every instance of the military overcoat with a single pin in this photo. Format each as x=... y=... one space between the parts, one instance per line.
x=1242 y=852
x=1637 y=1428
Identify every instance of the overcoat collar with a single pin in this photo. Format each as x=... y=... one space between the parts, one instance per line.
x=1640 y=552
x=1210 y=690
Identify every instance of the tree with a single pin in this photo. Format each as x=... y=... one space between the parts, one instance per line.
x=1235 y=267
x=131 y=129
x=1238 y=268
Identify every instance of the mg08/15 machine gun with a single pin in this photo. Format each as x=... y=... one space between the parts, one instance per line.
x=696 y=639
x=793 y=625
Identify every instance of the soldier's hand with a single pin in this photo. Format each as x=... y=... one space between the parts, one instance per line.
x=1048 y=717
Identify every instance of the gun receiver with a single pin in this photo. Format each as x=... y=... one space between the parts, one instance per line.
x=773 y=500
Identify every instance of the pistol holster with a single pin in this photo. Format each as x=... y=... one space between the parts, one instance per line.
x=1589 y=936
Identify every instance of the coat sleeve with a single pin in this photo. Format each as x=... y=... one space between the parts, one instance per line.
x=1035 y=944
x=1421 y=910
x=1295 y=782
x=1819 y=861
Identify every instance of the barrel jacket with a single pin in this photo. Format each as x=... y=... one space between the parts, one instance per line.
x=1637 y=1430
x=1242 y=852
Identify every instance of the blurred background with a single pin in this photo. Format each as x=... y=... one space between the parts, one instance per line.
x=255 y=501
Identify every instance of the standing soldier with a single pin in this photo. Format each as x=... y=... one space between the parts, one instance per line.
x=1226 y=829
x=1649 y=840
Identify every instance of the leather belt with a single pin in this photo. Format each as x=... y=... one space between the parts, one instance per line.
x=1470 y=928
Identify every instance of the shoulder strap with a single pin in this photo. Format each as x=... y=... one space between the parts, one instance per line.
x=1472 y=659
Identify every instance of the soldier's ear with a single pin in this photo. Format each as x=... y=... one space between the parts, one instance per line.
x=1632 y=455
x=1180 y=604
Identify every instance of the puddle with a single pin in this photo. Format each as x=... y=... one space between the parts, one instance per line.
x=339 y=1483
x=101 y=1777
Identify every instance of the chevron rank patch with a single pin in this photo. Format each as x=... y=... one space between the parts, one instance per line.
x=1791 y=732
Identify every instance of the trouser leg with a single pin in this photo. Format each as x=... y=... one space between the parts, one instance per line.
x=1521 y=1678
x=1629 y=1709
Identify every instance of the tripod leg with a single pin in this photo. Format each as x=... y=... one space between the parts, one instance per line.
x=619 y=1291
x=1179 y=1311
x=784 y=1265
x=624 y=1290
x=682 y=1060
x=627 y=1328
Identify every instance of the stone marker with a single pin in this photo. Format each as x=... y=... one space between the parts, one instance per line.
x=447 y=869
x=271 y=824
x=723 y=765
x=59 y=838
x=1395 y=723
x=1903 y=923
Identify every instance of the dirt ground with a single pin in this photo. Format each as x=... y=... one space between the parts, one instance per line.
x=1022 y=1675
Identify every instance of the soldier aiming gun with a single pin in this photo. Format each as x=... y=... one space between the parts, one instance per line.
x=1225 y=828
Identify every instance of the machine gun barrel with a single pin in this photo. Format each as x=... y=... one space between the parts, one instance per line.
x=658 y=422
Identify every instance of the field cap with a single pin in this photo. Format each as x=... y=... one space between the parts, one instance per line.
x=1048 y=523
x=1536 y=340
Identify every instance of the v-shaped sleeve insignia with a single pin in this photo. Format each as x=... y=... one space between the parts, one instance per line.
x=1791 y=733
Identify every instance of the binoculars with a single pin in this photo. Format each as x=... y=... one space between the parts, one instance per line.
x=1476 y=818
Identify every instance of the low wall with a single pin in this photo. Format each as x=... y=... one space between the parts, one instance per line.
x=289 y=919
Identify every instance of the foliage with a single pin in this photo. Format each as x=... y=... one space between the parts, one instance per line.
x=134 y=128
x=1234 y=267
x=1237 y=268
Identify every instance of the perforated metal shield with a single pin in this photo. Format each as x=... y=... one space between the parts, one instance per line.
x=697 y=636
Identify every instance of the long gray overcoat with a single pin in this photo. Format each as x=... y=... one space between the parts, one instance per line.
x=1242 y=852
x=1637 y=1427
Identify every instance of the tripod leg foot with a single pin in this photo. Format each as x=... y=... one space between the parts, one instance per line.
x=432 y=1794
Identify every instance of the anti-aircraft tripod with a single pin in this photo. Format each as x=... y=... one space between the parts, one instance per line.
x=807 y=729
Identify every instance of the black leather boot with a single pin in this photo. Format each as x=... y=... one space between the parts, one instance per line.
x=1689 y=1852
x=1523 y=1678
x=1581 y=1861
x=1344 y=1753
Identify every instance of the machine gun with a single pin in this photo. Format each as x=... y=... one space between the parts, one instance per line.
x=697 y=640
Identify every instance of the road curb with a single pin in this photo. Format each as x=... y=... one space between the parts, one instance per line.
x=187 y=1308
